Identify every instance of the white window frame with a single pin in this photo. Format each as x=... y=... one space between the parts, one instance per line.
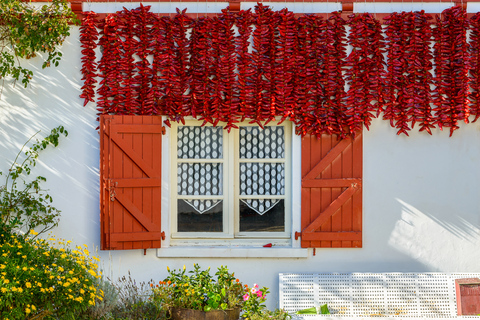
x=231 y=235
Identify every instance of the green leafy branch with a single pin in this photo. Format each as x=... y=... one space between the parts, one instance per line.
x=26 y=30
x=24 y=204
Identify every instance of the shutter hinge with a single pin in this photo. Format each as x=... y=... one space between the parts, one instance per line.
x=164 y=131
x=163 y=235
x=111 y=189
x=297 y=235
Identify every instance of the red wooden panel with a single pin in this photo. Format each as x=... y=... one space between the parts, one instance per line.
x=130 y=176
x=331 y=192
x=468 y=296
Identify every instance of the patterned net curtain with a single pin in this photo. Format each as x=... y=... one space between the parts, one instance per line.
x=261 y=178
x=256 y=178
x=200 y=179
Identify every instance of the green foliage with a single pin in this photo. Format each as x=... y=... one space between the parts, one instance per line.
x=133 y=301
x=45 y=278
x=23 y=203
x=103 y=306
x=277 y=314
x=199 y=290
x=26 y=30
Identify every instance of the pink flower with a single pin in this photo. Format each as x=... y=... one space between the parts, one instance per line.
x=246 y=297
x=255 y=285
x=254 y=290
x=259 y=293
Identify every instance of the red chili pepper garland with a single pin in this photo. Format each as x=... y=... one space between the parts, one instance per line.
x=474 y=50
x=201 y=68
x=295 y=70
x=408 y=79
x=451 y=69
x=143 y=19
x=245 y=70
x=285 y=65
x=335 y=57
x=420 y=64
x=129 y=86
x=110 y=68
x=88 y=38
x=366 y=73
x=227 y=63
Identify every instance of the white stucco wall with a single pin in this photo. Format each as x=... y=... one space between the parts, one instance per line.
x=420 y=193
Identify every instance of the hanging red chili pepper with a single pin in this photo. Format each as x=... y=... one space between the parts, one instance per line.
x=285 y=65
x=88 y=39
x=110 y=69
x=227 y=63
x=143 y=19
x=474 y=50
x=335 y=57
x=366 y=72
x=200 y=68
x=244 y=61
x=451 y=69
x=420 y=68
x=129 y=86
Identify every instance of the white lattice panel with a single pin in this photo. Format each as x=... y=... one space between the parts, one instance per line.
x=361 y=295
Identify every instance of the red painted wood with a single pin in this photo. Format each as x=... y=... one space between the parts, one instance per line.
x=468 y=296
x=331 y=192
x=130 y=161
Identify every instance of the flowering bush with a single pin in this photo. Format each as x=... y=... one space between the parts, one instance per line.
x=45 y=278
x=254 y=301
x=199 y=291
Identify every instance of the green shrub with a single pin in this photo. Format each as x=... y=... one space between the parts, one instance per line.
x=45 y=278
x=23 y=202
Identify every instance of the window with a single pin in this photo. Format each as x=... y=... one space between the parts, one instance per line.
x=231 y=186
x=205 y=187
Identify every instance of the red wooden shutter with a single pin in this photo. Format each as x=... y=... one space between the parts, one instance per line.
x=130 y=181
x=331 y=192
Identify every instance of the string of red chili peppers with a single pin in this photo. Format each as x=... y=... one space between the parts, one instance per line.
x=88 y=39
x=451 y=69
x=407 y=98
x=474 y=50
x=366 y=71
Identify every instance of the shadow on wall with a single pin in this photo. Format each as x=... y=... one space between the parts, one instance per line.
x=72 y=169
x=442 y=241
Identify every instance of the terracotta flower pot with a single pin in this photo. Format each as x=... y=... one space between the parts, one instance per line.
x=189 y=314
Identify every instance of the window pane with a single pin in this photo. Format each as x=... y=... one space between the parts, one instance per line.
x=262 y=179
x=271 y=221
x=200 y=178
x=256 y=143
x=190 y=220
x=195 y=142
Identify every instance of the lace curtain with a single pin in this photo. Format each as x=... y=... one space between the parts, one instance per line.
x=256 y=178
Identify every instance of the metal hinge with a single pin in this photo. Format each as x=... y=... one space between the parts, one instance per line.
x=111 y=189
x=297 y=235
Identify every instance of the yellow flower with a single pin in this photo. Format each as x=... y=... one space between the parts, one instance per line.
x=28 y=285
x=6 y=281
x=20 y=290
x=2 y=266
x=82 y=291
x=91 y=302
x=3 y=290
x=61 y=269
x=24 y=268
x=27 y=310
x=33 y=232
x=34 y=308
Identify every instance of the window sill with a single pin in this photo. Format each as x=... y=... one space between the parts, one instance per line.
x=231 y=252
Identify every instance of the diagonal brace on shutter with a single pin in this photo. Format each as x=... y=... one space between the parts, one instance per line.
x=308 y=233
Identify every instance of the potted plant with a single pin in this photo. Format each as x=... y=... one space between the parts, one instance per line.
x=199 y=295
